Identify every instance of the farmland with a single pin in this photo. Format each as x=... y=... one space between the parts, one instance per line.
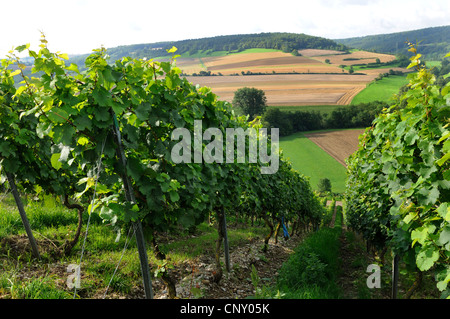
x=316 y=77
x=381 y=90
x=290 y=89
x=312 y=161
x=339 y=144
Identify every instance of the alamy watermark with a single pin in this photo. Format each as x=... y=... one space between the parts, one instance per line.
x=374 y=280
x=214 y=150
x=73 y=280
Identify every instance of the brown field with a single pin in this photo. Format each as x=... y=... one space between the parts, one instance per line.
x=290 y=89
x=190 y=65
x=317 y=52
x=262 y=62
x=362 y=57
x=339 y=144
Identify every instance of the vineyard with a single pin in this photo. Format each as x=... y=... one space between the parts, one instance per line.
x=91 y=161
x=399 y=179
x=101 y=141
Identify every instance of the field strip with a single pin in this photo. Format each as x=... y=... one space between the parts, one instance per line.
x=312 y=161
x=339 y=144
x=349 y=95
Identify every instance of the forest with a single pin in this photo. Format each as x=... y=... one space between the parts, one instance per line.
x=434 y=43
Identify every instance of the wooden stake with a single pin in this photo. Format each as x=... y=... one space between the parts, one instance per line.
x=395 y=274
x=226 y=247
x=23 y=215
x=139 y=234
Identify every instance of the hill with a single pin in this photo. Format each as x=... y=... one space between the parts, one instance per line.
x=286 y=42
x=434 y=42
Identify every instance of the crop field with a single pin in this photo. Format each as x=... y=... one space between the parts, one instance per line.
x=290 y=89
x=339 y=144
x=287 y=80
x=322 y=154
x=266 y=62
x=355 y=57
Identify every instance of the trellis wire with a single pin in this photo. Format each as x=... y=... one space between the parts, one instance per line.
x=92 y=208
x=120 y=260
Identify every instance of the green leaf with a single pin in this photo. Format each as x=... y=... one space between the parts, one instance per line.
x=73 y=67
x=43 y=129
x=20 y=48
x=172 y=50
x=444 y=159
x=19 y=90
x=83 y=122
x=58 y=115
x=411 y=136
x=63 y=134
x=427 y=257
x=134 y=168
x=174 y=196
x=5 y=149
x=102 y=114
x=55 y=161
x=419 y=235
x=444 y=237
x=444 y=211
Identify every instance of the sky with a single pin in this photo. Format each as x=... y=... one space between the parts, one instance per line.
x=79 y=26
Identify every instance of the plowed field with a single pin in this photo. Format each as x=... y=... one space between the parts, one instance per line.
x=357 y=57
x=290 y=89
x=339 y=144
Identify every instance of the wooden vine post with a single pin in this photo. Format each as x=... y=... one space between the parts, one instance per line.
x=226 y=247
x=23 y=215
x=395 y=274
x=139 y=233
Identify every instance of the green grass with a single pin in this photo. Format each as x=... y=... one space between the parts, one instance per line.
x=52 y=224
x=313 y=162
x=381 y=90
x=204 y=54
x=312 y=271
x=432 y=64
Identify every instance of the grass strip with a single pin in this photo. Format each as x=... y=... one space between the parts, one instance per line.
x=312 y=271
x=310 y=160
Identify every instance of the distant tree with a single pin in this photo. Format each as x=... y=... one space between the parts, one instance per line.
x=324 y=185
x=274 y=118
x=377 y=61
x=327 y=61
x=251 y=101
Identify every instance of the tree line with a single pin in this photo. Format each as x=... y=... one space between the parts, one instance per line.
x=287 y=42
x=349 y=116
x=434 y=42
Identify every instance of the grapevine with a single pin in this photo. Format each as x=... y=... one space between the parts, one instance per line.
x=398 y=187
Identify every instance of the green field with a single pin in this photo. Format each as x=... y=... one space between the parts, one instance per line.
x=381 y=90
x=313 y=162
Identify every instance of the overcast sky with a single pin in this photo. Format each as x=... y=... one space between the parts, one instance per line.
x=79 y=26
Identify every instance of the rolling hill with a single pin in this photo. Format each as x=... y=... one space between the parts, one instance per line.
x=434 y=42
